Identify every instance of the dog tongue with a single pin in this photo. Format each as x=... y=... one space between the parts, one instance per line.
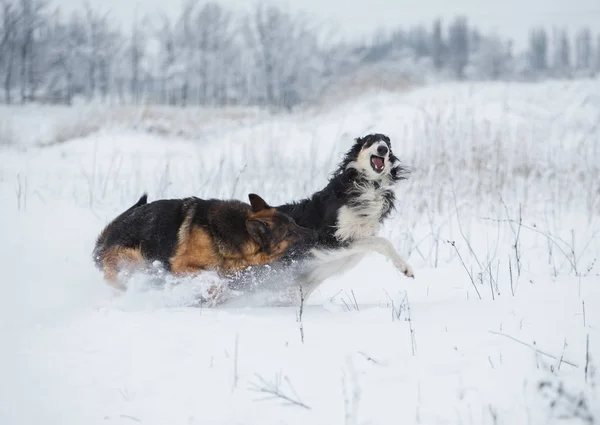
x=378 y=162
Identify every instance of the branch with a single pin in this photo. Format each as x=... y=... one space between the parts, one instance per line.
x=465 y=266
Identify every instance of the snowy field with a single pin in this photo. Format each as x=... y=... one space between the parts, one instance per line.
x=500 y=221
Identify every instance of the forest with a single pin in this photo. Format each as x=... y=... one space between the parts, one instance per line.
x=269 y=57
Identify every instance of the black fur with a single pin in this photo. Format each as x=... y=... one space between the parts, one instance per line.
x=320 y=211
x=153 y=227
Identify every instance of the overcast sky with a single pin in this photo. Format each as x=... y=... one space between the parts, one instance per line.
x=510 y=18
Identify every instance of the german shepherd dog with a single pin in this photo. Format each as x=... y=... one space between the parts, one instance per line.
x=190 y=235
x=347 y=214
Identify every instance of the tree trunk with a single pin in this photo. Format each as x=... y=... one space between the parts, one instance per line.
x=8 y=78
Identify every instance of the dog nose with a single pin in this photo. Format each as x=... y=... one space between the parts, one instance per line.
x=382 y=150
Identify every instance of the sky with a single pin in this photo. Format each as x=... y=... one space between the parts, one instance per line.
x=359 y=19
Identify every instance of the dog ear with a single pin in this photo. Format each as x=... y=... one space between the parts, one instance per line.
x=260 y=231
x=258 y=203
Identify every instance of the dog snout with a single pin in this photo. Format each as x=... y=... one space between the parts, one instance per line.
x=382 y=150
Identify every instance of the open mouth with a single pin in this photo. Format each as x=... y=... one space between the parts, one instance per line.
x=377 y=163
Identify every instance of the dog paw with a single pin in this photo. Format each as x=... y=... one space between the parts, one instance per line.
x=214 y=294
x=405 y=269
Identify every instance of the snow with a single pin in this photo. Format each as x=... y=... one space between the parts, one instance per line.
x=74 y=351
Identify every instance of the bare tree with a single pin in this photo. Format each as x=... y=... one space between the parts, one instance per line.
x=68 y=68
x=437 y=45
x=135 y=54
x=562 y=54
x=287 y=55
x=597 y=61
x=458 y=46
x=418 y=40
x=583 y=50
x=538 y=50
x=491 y=58
x=213 y=48
x=8 y=36
x=167 y=57
x=31 y=19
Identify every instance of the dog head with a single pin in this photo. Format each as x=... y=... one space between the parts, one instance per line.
x=274 y=231
x=372 y=157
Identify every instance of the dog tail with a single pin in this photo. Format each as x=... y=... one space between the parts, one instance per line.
x=100 y=247
x=142 y=201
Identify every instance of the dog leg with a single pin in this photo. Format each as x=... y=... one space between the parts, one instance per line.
x=384 y=247
x=120 y=259
x=367 y=245
x=327 y=263
x=322 y=269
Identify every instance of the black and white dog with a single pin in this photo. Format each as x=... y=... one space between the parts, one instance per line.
x=347 y=214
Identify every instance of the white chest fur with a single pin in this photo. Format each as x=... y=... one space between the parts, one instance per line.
x=361 y=220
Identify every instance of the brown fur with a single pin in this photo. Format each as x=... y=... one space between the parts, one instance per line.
x=118 y=258
x=198 y=251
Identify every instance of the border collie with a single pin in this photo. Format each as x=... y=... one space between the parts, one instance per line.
x=347 y=214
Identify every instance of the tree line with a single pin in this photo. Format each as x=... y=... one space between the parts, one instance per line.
x=210 y=55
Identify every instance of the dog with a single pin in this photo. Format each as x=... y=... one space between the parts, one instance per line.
x=347 y=214
x=190 y=235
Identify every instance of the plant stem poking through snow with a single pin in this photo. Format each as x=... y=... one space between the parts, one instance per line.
x=396 y=310
x=465 y=266
x=237 y=180
x=556 y=241
x=133 y=418
x=510 y=273
x=413 y=342
x=565 y=403
x=517 y=233
x=354 y=303
x=235 y=363
x=534 y=349
x=300 y=312
x=21 y=192
x=274 y=390
x=369 y=358
x=587 y=358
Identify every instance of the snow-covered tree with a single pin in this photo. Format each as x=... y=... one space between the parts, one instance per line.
x=561 y=65
x=491 y=59
x=287 y=55
x=31 y=19
x=437 y=45
x=9 y=22
x=538 y=50
x=458 y=46
x=583 y=50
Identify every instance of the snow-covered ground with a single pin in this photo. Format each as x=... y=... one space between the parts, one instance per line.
x=500 y=220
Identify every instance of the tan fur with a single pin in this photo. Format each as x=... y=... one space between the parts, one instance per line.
x=184 y=230
x=251 y=256
x=198 y=251
x=119 y=258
